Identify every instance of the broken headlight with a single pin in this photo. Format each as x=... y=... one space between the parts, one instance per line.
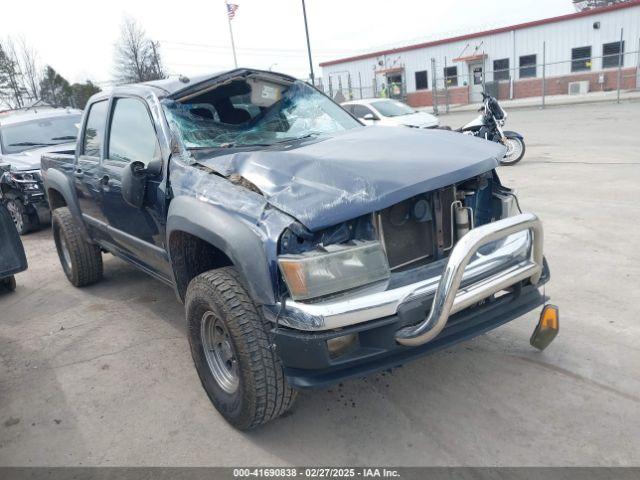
x=333 y=268
x=28 y=180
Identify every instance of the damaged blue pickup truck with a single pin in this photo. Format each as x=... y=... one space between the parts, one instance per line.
x=306 y=248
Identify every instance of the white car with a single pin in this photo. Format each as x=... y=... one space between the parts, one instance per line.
x=388 y=112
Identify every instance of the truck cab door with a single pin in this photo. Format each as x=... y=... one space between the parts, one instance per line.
x=88 y=170
x=137 y=233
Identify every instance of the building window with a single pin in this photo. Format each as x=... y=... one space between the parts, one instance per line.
x=611 y=54
x=422 y=80
x=451 y=76
x=580 y=59
x=501 y=69
x=528 y=67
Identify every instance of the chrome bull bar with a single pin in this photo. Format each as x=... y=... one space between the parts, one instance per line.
x=449 y=298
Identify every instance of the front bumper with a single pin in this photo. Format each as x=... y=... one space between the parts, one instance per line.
x=415 y=306
x=30 y=192
x=308 y=363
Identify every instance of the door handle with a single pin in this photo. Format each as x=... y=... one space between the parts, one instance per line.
x=79 y=173
x=105 y=180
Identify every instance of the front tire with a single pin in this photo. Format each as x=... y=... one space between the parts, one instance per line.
x=232 y=351
x=21 y=219
x=9 y=283
x=515 y=151
x=80 y=260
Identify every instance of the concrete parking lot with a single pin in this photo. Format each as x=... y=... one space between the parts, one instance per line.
x=103 y=375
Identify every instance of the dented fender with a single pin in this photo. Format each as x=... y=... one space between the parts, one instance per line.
x=240 y=243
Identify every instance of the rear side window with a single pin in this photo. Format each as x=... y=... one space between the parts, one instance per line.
x=94 y=131
x=360 y=111
x=132 y=136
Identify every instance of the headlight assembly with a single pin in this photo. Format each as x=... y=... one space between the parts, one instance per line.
x=333 y=269
x=27 y=177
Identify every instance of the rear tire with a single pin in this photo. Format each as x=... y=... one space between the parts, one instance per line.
x=232 y=351
x=80 y=260
x=515 y=150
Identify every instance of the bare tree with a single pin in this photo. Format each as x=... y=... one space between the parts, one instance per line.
x=12 y=89
x=31 y=70
x=581 y=5
x=137 y=58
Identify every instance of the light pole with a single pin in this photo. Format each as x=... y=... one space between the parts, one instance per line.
x=306 y=29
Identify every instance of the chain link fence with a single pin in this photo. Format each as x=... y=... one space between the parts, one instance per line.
x=449 y=85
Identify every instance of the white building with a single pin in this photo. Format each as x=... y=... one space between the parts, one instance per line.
x=580 y=47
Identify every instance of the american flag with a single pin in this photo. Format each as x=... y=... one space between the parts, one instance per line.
x=231 y=10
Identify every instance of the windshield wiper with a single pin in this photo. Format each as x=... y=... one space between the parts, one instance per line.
x=29 y=144
x=243 y=145
x=246 y=145
x=67 y=137
x=295 y=139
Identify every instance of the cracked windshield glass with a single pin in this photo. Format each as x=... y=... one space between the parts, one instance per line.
x=254 y=112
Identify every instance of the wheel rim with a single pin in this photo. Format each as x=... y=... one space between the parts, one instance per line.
x=16 y=215
x=66 y=256
x=514 y=149
x=219 y=352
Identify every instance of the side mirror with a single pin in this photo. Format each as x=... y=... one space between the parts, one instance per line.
x=369 y=116
x=154 y=167
x=134 y=184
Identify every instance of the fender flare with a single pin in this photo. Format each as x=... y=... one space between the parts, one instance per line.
x=58 y=181
x=223 y=230
x=511 y=133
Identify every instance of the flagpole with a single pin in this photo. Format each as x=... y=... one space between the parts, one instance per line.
x=233 y=45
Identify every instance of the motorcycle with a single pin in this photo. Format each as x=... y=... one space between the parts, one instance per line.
x=489 y=125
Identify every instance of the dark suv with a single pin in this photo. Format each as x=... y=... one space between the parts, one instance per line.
x=24 y=136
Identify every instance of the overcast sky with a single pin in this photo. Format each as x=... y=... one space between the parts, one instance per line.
x=77 y=39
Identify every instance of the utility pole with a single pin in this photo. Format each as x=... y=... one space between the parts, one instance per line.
x=544 y=72
x=306 y=29
x=620 y=60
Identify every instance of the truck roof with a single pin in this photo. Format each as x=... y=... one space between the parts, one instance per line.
x=171 y=87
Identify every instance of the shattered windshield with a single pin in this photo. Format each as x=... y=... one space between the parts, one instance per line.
x=39 y=133
x=255 y=113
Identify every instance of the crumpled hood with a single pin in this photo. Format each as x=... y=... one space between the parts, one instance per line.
x=30 y=159
x=327 y=181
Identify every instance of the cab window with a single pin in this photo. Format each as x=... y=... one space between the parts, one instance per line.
x=132 y=136
x=94 y=130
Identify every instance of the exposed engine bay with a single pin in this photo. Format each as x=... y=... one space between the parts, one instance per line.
x=416 y=231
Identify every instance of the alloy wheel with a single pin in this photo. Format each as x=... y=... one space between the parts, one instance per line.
x=16 y=215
